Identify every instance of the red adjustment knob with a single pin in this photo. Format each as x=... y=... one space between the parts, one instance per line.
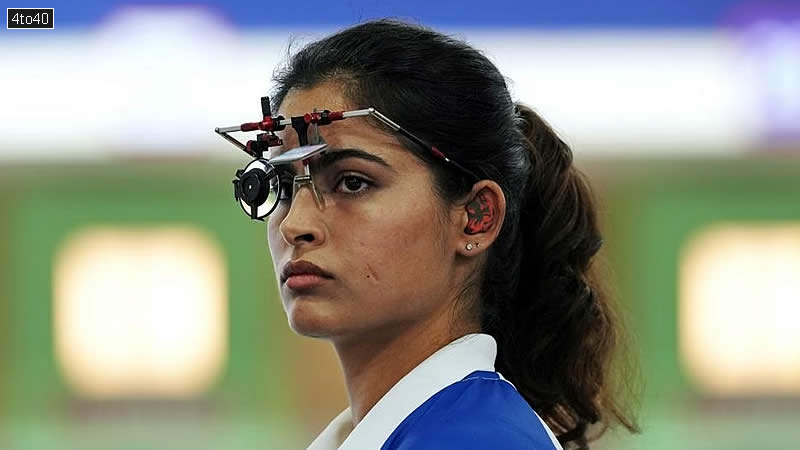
x=267 y=124
x=322 y=118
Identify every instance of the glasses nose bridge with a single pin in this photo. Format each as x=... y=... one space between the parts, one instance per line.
x=306 y=180
x=301 y=220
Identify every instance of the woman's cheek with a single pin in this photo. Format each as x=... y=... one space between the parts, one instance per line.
x=370 y=274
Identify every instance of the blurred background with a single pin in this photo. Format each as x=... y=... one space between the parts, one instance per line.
x=138 y=306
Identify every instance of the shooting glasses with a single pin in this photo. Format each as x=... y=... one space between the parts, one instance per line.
x=258 y=187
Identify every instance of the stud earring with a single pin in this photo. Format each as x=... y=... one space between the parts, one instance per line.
x=469 y=246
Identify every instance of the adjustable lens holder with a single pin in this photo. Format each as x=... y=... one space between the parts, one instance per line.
x=257 y=188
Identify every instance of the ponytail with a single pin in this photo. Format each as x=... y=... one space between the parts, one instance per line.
x=558 y=332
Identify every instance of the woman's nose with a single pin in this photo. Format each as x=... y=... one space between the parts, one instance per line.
x=303 y=223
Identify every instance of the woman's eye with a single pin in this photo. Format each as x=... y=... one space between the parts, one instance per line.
x=351 y=184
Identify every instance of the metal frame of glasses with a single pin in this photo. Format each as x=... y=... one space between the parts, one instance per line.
x=257 y=187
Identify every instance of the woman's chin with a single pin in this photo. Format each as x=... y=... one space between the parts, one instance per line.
x=311 y=320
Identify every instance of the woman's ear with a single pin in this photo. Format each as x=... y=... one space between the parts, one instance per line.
x=482 y=216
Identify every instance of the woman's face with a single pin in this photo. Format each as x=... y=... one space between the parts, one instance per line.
x=383 y=236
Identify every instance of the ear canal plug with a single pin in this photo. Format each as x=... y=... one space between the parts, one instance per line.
x=480 y=214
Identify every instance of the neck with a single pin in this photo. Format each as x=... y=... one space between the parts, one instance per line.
x=372 y=365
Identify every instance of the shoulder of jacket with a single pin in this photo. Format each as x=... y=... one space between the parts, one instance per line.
x=474 y=413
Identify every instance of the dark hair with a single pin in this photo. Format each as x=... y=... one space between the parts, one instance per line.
x=554 y=325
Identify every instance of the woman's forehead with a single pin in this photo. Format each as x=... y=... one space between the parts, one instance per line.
x=353 y=132
x=356 y=132
x=327 y=95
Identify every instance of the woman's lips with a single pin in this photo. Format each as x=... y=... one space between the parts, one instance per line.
x=304 y=281
x=293 y=268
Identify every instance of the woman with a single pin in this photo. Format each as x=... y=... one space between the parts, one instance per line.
x=457 y=292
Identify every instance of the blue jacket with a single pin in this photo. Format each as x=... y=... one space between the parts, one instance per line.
x=452 y=400
x=482 y=411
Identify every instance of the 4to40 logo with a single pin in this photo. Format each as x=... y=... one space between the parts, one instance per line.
x=29 y=18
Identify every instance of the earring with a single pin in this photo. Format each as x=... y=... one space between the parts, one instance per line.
x=469 y=246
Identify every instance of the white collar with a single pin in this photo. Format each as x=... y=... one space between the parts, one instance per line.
x=448 y=365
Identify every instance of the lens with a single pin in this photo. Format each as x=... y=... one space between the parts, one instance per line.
x=259 y=189
x=254 y=187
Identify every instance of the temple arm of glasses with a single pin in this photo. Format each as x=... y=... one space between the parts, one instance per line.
x=397 y=128
x=394 y=126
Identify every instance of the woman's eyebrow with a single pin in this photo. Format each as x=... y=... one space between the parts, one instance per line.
x=334 y=155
